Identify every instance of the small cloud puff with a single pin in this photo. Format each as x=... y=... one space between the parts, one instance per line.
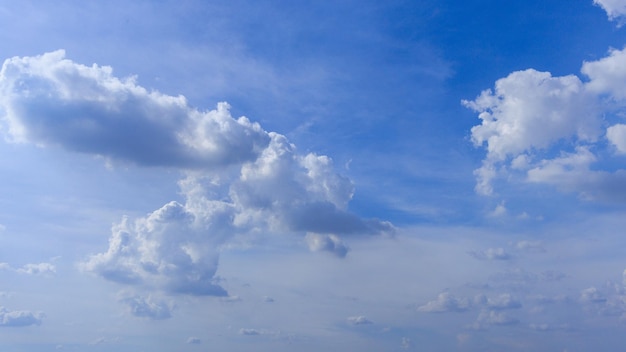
x=326 y=243
x=146 y=307
x=491 y=317
x=249 y=332
x=359 y=320
x=37 y=269
x=491 y=254
x=445 y=302
x=194 y=341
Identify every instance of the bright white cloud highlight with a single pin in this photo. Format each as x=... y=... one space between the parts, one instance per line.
x=549 y=129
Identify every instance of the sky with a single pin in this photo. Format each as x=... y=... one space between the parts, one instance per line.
x=312 y=175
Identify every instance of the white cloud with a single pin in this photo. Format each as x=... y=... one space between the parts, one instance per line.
x=445 y=302
x=531 y=109
x=146 y=307
x=240 y=179
x=50 y=100
x=503 y=301
x=491 y=254
x=249 y=332
x=592 y=295
x=530 y=246
x=175 y=248
x=615 y=9
x=17 y=318
x=359 y=320
x=491 y=317
x=37 y=269
x=31 y=269
x=616 y=134
x=327 y=243
x=194 y=341
x=551 y=130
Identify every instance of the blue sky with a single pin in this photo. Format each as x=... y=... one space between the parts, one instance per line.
x=347 y=175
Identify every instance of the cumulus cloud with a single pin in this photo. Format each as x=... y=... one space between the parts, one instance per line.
x=615 y=9
x=238 y=178
x=592 y=295
x=194 y=341
x=249 y=332
x=503 y=301
x=530 y=246
x=50 y=100
x=616 y=134
x=146 y=307
x=37 y=269
x=327 y=243
x=491 y=317
x=31 y=268
x=544 y=129
x=19 y=318
x=491 y=254
x=445 y=302
x=359 y=320
x=176 y=248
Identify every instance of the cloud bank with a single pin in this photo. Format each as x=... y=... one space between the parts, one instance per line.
x=238 y=179
x=560 y=131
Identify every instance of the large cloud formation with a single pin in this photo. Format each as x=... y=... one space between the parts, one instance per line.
x=50 y=100
x=556 y=130
x=238 y=178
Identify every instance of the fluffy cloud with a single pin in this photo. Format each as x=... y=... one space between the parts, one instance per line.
x=17 y=318
x=31 y=269
x=174 y=249
x=327 y=243
x=491 y=254
x=249 y=332
x=445 y=302
x=490 y=317
x=239 y=179
x=146 y=307
x=37 y=269
x=503 y=301
x=552 y=130
x=194 y=341
x=50 y=100
x=359 y=320
x=615 y=9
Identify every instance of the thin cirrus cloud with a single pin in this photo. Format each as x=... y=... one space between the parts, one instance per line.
x=238 y=178
x=542 y=129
